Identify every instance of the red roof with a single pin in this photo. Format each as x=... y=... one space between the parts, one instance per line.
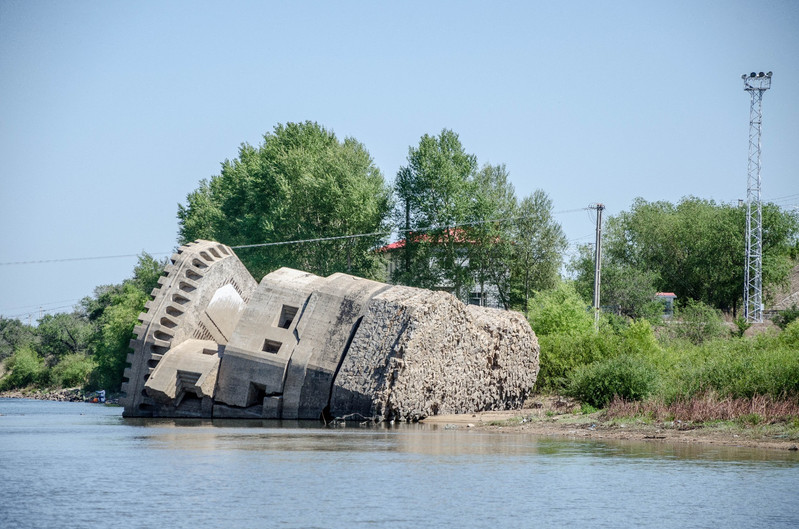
x=667 y=294
x=457 y=233
x=393 y=246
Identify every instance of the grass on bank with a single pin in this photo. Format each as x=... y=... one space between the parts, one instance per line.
x=693 y=368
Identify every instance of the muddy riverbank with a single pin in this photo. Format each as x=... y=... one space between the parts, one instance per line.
x=561 y=417
x=555 y=416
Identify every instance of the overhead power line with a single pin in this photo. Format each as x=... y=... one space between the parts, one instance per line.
x=40 y=305
x=376 y=234
x=782 y=198
x=297 y=241
x=67 y=259
x=40 y=312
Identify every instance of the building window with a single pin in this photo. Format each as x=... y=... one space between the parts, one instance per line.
x=286 y=316
x=477 y=298
x=271 y=346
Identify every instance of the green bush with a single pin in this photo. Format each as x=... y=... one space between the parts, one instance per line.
x=563 y=353
x=631 y=378
x=111 y=344
x=72 y=371
x=741 y=326
x=559 y=311
x=790 y=336
x=25 y=368
x=638 y=338
x=697 y=323
x=629 y=361
x=763 y=365
x=785 y=317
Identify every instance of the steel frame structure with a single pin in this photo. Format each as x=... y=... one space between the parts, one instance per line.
x=755 y=84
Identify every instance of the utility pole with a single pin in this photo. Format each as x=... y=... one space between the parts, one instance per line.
x=755 y=84
x=597 y=259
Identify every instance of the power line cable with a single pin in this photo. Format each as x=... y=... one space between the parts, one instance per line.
x=422 y=229
x=35 y=312
x=39 y=305
x=774 y=199
x=68 y=259
x=299 y=241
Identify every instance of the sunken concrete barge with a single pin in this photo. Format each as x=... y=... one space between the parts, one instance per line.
x=214 y=343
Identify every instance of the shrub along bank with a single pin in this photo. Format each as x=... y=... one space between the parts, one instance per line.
x=86 y=348
x=666 y=365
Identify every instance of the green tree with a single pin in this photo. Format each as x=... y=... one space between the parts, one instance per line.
x=434 y=193
x=111 y=344
x=537 y=250
x=72 y=371
x=25 y=368
x=13 y=335
x=92 y=307
x=63 y=334
x=88 y=346
x=121 y=306
x=300 y=183
x=624 y=290
x=697 y=323
x=694 y=248
x=466 y=229
x=560 y=311
x=491 y=244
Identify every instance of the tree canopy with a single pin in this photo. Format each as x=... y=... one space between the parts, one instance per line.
x=465 y=228
x=13 y=335
x=694 y=248
x=300 y=183
x=434 y=192
x=86 y=347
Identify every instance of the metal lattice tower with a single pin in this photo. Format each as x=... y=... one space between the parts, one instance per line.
x=755 y=84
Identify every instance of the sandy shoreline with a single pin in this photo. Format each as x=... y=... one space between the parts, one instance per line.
x=554 y=416
x=553 y=420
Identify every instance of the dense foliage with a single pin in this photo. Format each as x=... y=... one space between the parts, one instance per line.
x=785 y=317
x=466 y=230
x=694 y=249
x=83 y=348
x=13 y=336
x=691 y=355
x=300 y=183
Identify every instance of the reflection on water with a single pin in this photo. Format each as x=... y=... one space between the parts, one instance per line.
x=435 y=439
x=81 y=465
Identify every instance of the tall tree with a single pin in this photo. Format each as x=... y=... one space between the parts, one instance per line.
x=626 y=290
x=491 y=236
x=434 y=192
x=539 y=243
x=467 y=229
x=300 y=183
x=63 y=334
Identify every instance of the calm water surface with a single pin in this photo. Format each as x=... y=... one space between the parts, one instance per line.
x=83 y=465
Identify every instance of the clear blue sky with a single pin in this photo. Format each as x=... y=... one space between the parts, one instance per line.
x=111 y=111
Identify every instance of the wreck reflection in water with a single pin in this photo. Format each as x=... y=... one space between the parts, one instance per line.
x=80 y=465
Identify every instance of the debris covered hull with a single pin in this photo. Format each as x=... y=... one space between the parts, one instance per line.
x=214 y=344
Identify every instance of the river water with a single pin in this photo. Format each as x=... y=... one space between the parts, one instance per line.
x=84 y=466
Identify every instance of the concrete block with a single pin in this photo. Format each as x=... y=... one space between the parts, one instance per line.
x=300 y=346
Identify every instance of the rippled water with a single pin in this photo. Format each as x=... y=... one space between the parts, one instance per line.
x=83 y=465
